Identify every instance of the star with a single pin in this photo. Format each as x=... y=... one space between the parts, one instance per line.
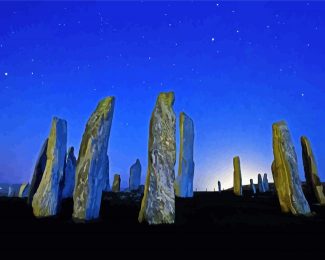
x=6 y=73
x=212 y=39
x=149 y=58
x=302 y=94
x=32 y=73
x=237 y=31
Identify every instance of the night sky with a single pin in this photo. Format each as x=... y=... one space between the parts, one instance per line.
x=235 y=68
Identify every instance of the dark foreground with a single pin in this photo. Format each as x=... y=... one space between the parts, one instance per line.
x=219 y=223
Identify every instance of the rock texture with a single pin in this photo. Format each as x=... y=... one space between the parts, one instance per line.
x=135 y=176
x=46 y=201
x=23 y=190
x=116 y=187
x=252 y=186
x=184 y=181
x=238 y=190
x=219 y=186
x=158 y=203
x=107 y=186
x=261 y=188
x=285 y=172
x=265 y=182
x=38 y=172
x=69 y=174
x=311 y=173
x=91 y=172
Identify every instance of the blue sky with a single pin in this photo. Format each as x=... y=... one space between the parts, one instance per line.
x=235 y=68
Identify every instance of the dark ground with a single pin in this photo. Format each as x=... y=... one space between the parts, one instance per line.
x=212 y=222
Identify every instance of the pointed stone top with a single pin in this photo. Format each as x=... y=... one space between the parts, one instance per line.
x=103 y=108
x=236 y=158
x=137 y=161
x=71 y=150
x=166 y=97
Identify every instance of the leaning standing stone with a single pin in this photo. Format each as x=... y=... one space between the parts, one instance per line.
x=285 y=172
x=116 y=187
x=237 y=177
x=261 y=188
x=69 y=174
x=91 y=175
x=158 y=203
x=46 y=201
x=38 y=172
x=311 y=173
x=184 y=181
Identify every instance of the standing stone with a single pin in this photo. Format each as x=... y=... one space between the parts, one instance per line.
x=238 y=190
x=38 y=172
x=285 y=172
x=46 y=201
x=116 y=187
x=69 y=174
x=11 y=191
x=158 y=203
x=219 y=186
x=91 y=172
x=311 y=173
x=135 y=176
x=184 y=181
x=23 y=190
x=107 y=186
x=252 y=186
x=261 y=188
x=265 y=182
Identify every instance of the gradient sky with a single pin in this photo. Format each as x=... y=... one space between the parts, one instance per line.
x=235 y=68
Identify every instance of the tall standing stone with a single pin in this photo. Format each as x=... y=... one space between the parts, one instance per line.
x=38 y=172
x=69 y=174
x=261 y=188
x=219 y=186
x=184 y=181
x=252 y=186
x=238 y=190
x=135 y=176
x=158 y=203
x=107 y=186
x=266 y=182
x=116 y=187
x=285 y=172
x=311 y=173
x=91 y=172
x=46 y=201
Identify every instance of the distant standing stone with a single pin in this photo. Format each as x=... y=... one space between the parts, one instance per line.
x=116 y=187
x=158 y=203
x=219 y=186
x=285 y=172
x=238 y=190
x=91 y=172
x=261 y=188
x=135 y=176
x=69 y=174
x=311 y=172
x=38 y=172
x=184 y=181
x=266 y=182
x=252 y=186
x=46 y=201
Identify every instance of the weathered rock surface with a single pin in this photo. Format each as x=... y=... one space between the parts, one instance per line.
x=158 y=203
x=261 y=188
x=219 y=186
x=91 y=172
x=135 y=176
x=285 y=172
x=38 y=172
x=265 y=182
x=238 y=190
x=46 y=201
x=116 y=187
x=184 y=181
x=252 y=186
x=311 y=172
x=24 y=190
x=69 y=174
x=107 y=186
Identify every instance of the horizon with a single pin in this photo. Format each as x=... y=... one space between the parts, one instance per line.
x=235 y=68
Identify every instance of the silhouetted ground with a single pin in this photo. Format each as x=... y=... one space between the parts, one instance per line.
x=221 y=223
